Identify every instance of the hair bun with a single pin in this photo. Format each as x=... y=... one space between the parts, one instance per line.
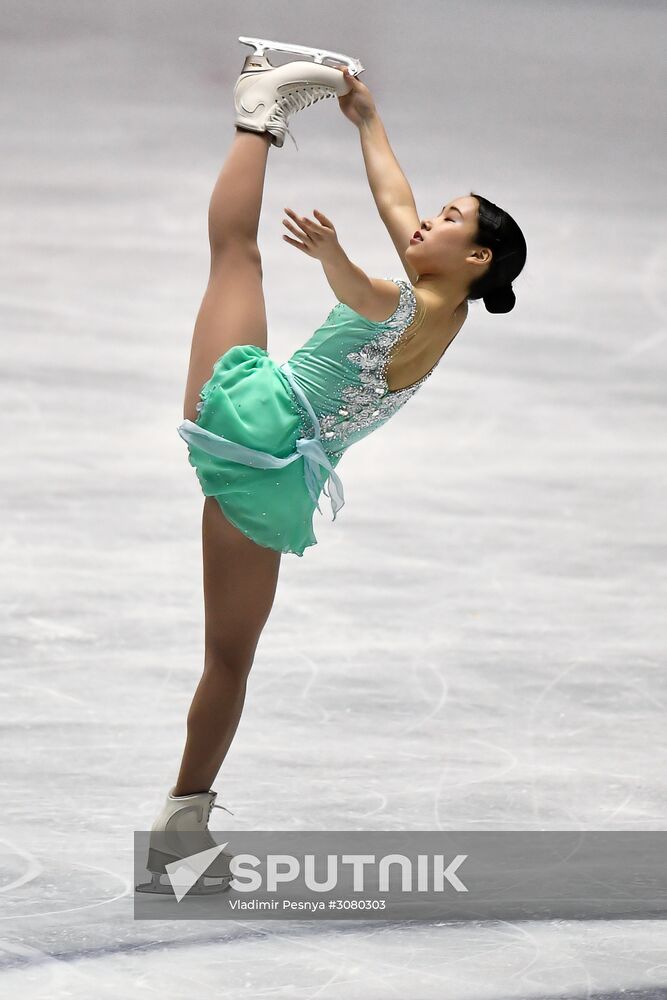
x=500 y=300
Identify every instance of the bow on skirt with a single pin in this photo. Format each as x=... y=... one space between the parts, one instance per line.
x=310 y=449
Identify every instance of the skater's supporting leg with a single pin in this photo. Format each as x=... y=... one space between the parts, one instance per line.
x=240 y=581
x=232 y=310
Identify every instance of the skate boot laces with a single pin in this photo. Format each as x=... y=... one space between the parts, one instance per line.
x=213 y=806
x=297 y=100
x=225 y=854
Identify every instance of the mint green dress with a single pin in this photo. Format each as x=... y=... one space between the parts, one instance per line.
x=268 y=437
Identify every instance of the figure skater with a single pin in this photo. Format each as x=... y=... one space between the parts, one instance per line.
x=265 y=439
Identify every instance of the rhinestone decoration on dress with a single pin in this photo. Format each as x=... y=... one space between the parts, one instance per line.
x=372 y=401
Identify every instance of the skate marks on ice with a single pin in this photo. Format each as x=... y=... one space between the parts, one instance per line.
x=476 y=962
x=32 y=883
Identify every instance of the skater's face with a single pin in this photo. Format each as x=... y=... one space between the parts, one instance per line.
x=447 y=239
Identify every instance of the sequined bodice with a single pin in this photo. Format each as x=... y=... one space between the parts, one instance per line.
x=342 y=370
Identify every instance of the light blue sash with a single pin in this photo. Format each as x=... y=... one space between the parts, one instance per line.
x=310 y=449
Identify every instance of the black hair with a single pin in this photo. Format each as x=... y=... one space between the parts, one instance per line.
x=498 y=231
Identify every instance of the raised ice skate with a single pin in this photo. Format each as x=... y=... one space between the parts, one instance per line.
x=266 y=95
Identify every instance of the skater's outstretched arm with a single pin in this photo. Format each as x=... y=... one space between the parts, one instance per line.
x=390 y=188
x=388 y=183
x=374 y=298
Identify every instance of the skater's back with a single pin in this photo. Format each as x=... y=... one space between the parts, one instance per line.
x=343 y=368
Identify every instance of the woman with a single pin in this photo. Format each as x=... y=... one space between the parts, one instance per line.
x=265 y=439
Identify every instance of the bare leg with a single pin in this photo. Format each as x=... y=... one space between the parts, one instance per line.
x=240 y=580
x=240 y=577
x=232 y=309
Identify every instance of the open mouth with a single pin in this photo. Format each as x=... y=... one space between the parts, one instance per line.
x=417 y=237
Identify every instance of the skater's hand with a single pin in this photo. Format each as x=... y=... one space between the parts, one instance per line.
x=358 y=104
x=318 y=239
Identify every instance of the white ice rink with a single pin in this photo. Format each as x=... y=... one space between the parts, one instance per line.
x=479 y=641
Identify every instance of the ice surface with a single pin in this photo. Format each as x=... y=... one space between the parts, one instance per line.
x=478 y=642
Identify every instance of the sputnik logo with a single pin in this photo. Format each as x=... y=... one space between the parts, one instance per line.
x=185 y=872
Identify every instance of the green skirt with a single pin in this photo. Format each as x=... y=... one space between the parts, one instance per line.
x=251 y=409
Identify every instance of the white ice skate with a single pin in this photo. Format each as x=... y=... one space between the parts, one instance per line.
x=185 y=814
x=265 y=95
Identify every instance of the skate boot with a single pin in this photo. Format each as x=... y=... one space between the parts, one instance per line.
x=265 y=95
x=185 y=814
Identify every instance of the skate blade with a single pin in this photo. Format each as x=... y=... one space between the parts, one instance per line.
x=318 y=55
x=200 y=888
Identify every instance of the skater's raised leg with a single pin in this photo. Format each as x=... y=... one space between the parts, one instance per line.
x=232 y=309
